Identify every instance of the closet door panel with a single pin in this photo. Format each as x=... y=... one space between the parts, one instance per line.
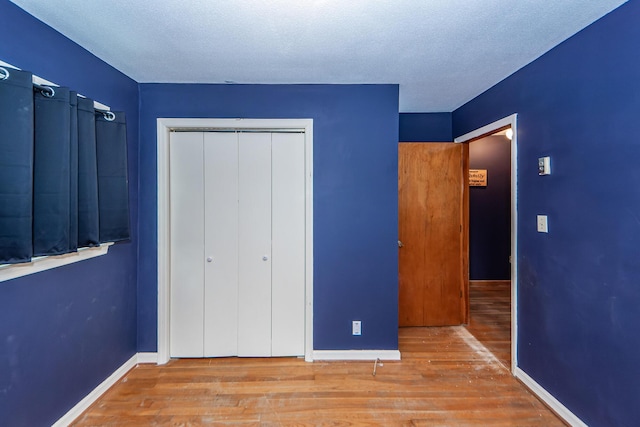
x=288 y=244
x=221 y=244
x=254 y=290
x=187 y=244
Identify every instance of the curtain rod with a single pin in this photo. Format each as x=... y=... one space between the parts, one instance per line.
x=46 y=88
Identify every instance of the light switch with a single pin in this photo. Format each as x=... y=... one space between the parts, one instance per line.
x=543 y=225
x=544 y=166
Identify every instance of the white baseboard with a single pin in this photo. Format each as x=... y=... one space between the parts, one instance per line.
x=148 y=358
x=561 y=410
x=356 y=354
x=94 y=395
x=90 y=398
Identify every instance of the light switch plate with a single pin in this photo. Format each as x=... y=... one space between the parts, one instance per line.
x=543 y=225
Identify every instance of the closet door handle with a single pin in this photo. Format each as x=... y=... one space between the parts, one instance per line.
x=265 y=258
x=209 y=259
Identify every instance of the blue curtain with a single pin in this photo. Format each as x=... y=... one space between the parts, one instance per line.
x=73 y=168
x=63 y=171
x=113 y=198
x=52 y=173
x=88 y=218
x=16 y=166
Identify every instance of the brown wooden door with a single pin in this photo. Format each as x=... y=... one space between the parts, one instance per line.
x=433 y=230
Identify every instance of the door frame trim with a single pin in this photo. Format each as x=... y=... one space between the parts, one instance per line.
x=509 y=121
x=164 y=126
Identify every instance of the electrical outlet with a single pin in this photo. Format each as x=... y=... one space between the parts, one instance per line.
x=356 y=327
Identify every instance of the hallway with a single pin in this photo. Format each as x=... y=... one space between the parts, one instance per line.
x=490 y=317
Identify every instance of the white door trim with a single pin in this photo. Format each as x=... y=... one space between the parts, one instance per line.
x=484 y=131
x=164 y=127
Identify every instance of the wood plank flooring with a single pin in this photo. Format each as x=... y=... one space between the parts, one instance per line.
x=446 y=378
x=490 y=316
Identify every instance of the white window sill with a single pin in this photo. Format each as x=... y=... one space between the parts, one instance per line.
x=12 y=271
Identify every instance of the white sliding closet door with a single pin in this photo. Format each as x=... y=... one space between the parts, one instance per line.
x=288 y=244
x=187 y=244
x=221 y=244
x=237 y=244
x=254 y=316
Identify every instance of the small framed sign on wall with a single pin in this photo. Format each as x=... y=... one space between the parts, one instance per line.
x=477 y=177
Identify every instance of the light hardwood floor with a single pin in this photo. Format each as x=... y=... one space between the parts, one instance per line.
x=446 y=378
x=490 y=316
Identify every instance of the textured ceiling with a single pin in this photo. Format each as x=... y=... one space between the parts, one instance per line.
x=441 y=52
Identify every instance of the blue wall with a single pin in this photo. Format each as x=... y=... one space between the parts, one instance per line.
x=579 y=289
x=355 y=198
x=63 y=331
x=490 y=210
x=425 y=127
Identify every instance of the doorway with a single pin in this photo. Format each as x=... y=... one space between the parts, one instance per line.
x=237 y=243
x=489 y=243
x=165 y=129
x=499 y=126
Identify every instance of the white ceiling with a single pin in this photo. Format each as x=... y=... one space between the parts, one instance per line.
x=442 y=52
